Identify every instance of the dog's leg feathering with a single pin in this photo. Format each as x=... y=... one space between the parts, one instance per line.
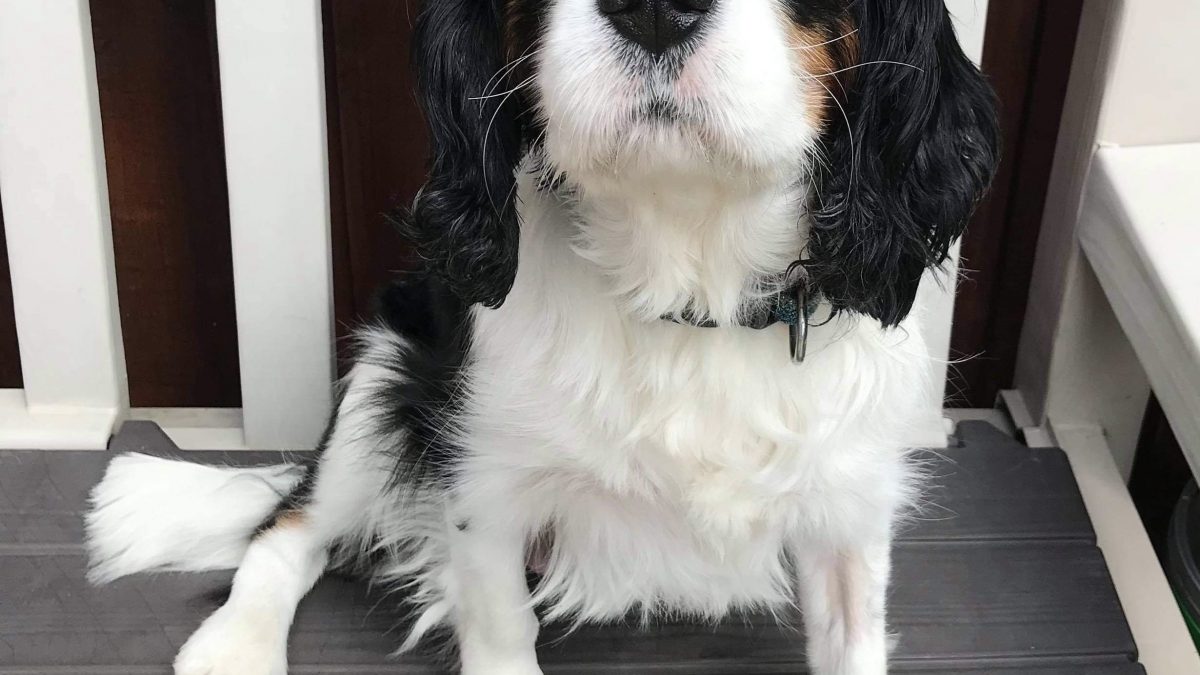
x=494 y=619
x=248 y=634
x=843 y=593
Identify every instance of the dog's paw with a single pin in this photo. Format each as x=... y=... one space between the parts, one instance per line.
x=233 y=642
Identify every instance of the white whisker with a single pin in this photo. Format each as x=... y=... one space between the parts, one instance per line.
x=507 y=68
x=827 y=42
x=870 y=63
x=849 y=129
x=525 y=83
x=488 y=132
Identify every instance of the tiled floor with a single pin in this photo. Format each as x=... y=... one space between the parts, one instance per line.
x=1001 y=576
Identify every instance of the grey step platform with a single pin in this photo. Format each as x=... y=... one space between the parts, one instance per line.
x=998 y=574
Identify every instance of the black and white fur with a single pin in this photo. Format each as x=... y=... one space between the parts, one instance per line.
x=525 y=404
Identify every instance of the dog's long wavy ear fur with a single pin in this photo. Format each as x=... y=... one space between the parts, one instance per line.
x=903 y=174
x=464 y=221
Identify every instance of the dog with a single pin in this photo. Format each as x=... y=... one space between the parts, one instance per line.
x=662 y=352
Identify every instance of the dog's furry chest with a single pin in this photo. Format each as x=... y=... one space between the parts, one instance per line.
x=718 y=423
x=677 y=463
x=673 y=463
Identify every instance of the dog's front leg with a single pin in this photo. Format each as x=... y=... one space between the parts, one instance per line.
x=843 y=593
x=494 y=619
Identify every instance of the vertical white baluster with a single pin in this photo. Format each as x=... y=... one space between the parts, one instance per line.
x=938 y=298
x=56 y=215
x=273 y=93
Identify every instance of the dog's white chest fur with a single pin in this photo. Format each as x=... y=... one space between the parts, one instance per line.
x=671 y=464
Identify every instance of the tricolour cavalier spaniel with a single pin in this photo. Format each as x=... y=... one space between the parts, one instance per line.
x=662 y=354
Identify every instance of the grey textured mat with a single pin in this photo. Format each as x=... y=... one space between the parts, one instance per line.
x=999 y=574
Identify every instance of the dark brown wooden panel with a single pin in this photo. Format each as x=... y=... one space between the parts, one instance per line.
x=378 y=145
x=160 y=100
x=10 y=356
x=1027 y=55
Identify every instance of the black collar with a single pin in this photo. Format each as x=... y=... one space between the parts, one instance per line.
x=793 y=306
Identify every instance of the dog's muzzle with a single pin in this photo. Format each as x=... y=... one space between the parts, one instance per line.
x=656 y=25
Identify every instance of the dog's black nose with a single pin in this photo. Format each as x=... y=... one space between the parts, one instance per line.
x=656 y=25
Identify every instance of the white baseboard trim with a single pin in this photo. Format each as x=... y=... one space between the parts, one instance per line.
x=222 y=428
x=57 y=428
x=993 y=416
x=1039 y=437
x=1014 y=401
x=1162 y=637
x=198 y=428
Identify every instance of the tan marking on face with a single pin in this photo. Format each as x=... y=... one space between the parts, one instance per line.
x=845 y=53
x=814 y=64
x=823 y=59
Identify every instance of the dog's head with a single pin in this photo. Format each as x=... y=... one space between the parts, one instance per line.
x=871 y=103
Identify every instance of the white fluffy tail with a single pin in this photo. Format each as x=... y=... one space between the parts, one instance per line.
x=153 y=514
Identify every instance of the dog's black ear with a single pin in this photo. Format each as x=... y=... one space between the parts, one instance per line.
x=903 y=173
x=464 y=221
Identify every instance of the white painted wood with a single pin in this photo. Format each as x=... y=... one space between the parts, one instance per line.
x=1154 y=60
x=1040 y=437
x=1140 y=230
x=52 y=428
x=938 y=290
x=970 y=21
x=936 y=299
x=198 y=428
x=272 y=88
x=1097 y=377
x=1164 y=645
x=1133 y=83
x=56 y=215
x=993 y=416
x=1018 y=409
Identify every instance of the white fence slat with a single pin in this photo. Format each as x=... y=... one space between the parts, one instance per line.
x=938 y=291
x=273 y=94
x=56 y=214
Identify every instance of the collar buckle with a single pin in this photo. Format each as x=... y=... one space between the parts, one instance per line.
x=798 y=331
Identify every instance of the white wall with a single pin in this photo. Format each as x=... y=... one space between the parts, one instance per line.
x=1153 y=89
